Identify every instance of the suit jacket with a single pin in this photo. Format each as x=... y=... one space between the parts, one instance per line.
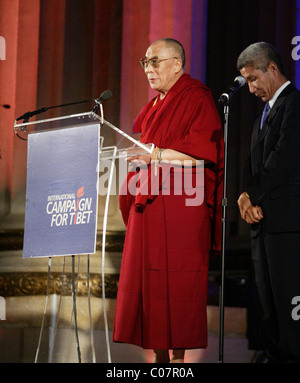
x=272 y=172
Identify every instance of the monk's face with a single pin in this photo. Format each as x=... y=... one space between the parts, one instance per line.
x=166 y=68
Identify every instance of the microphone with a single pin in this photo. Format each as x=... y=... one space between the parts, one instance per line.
x=104 y=96
x=226 y=96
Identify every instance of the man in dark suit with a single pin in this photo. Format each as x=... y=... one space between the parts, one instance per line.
x=270 y=201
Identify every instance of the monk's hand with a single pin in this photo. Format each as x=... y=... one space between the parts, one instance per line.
x=140 y=160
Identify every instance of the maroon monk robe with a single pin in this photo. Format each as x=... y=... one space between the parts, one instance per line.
x=162 y=293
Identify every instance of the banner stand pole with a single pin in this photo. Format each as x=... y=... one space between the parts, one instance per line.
x=105 y=216
x=58 y=310
x=44 y=313
x=90 y=311
x=75 y=309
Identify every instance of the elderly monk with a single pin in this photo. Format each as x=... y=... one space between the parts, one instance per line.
x=162 y=293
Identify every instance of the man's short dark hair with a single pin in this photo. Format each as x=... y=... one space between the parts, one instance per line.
x=177 y=46
x=258 y=56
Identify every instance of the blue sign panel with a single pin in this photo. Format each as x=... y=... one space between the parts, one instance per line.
x=62 y=192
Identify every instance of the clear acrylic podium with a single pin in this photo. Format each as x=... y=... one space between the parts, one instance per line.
x=126 y=146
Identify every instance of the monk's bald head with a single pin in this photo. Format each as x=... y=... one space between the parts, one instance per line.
x=175 y=46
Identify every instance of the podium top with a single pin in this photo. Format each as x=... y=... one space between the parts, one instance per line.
x=57 y=123
x=75 y=120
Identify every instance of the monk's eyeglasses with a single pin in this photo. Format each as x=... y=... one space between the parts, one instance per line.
x=154 y=62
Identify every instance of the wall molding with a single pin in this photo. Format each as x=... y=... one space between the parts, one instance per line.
x=35 y=283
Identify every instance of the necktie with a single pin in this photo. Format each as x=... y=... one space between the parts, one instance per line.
x=265 y=114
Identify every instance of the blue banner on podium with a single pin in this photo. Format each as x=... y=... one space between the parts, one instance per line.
x=62 y=192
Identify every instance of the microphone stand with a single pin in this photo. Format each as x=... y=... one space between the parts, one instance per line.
x=27 y=115
x=225 y=99
x=104 y=96
x=224 y=210
x=96 y=109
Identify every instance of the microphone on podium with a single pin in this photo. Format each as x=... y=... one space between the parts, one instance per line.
x=104 y=96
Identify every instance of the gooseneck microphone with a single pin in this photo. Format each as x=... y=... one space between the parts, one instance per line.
x=104 y=96
x=27 y=115
x=226 y=96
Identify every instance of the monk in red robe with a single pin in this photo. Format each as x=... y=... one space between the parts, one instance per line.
x=172 y=225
